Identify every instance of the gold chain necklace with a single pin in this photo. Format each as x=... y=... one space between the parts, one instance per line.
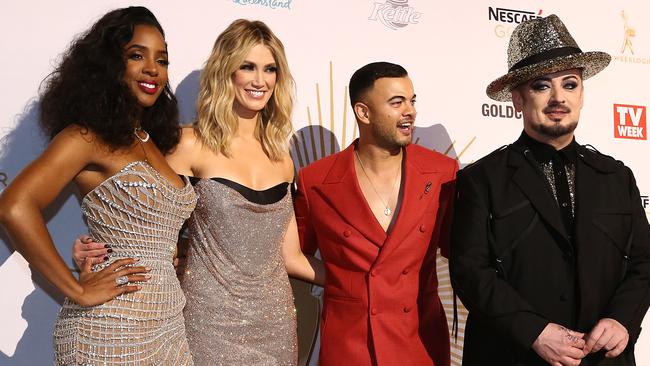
x=387 y=210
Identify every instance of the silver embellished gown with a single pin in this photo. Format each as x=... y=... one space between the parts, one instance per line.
x=240 y=308
x=139 y=213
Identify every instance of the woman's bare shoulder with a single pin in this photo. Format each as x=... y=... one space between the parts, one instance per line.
x=79 y=140
x=189 y=143
x=185 y=158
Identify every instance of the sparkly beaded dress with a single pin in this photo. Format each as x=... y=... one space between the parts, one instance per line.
x=240 y=308
x=139 y=213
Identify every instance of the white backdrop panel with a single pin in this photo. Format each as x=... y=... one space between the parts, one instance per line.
x=452 y=50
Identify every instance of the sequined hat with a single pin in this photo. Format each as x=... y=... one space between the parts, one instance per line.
x=543 y=46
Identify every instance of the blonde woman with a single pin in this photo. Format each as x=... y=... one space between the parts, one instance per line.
x=243 y=234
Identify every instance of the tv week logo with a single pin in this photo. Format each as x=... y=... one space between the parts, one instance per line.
x=630 y=122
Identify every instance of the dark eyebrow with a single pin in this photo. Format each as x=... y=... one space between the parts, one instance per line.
x=137 y=46
x=570 y=77
x=544 y=78
x=541 y=78
x=141 y=47
x=400 y=97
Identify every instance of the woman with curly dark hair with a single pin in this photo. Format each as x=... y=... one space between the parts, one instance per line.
x=111 y=116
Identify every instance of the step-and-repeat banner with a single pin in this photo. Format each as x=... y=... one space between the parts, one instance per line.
x=451 y=49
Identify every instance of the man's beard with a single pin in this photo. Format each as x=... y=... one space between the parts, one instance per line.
x=556 y=130
x=386 y=137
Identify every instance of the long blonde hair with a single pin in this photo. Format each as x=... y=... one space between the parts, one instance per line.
x=217 y=121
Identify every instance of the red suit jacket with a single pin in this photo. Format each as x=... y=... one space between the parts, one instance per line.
x=381 y=305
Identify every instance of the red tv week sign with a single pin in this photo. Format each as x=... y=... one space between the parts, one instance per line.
x=630 y=122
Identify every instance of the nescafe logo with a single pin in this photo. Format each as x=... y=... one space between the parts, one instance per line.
x=515 y=16
x=499 y=111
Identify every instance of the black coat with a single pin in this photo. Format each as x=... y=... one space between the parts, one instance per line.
x=516 y=269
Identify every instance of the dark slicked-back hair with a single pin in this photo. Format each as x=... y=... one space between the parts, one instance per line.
x=88 y=89
x=363 y=79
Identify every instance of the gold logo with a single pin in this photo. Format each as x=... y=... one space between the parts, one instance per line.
x=509 y=18
x=626 y=52
x=628 y=33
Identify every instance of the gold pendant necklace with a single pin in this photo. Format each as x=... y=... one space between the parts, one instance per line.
x=387 y=210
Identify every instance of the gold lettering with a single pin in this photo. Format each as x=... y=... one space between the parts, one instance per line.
x=503 y=31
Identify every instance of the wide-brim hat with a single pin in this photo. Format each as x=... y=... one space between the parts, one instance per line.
x=543 y=46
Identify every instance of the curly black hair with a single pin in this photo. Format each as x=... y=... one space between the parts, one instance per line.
x=88 y=88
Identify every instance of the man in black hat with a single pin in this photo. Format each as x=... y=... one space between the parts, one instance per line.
x=550 y=244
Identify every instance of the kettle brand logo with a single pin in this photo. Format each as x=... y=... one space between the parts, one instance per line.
x=394 y=14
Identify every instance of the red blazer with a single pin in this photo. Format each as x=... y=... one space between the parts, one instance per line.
x=381 y=305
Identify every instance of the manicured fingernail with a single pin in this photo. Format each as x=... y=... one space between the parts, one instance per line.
x=110 y=251
x=106 y=246
x=105 y=258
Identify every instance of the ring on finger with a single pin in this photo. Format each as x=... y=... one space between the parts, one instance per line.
x=122 y=280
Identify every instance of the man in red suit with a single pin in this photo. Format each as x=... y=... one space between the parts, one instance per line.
x=378 y=211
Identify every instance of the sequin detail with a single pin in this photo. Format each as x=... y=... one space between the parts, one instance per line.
x=547 y=169
x=240 y=308
x=139 y=213
x=539 y=38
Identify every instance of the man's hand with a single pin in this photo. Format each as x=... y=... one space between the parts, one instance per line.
x=560 y=346
x=608 y=335
x=85 y=247
x=180 y=258
x=179 y=265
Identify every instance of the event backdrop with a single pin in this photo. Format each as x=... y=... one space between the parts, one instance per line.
x=452 y=50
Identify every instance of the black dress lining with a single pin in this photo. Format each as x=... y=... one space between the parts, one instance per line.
x=265 y=197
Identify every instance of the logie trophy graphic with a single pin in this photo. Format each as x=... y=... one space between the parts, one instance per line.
x=628 y=33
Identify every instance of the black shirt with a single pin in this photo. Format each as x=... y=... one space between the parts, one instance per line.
x=558 y=167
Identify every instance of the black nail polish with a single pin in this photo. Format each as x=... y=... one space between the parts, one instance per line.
x=105 y=258
x=110 y=251
x=106 y=246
